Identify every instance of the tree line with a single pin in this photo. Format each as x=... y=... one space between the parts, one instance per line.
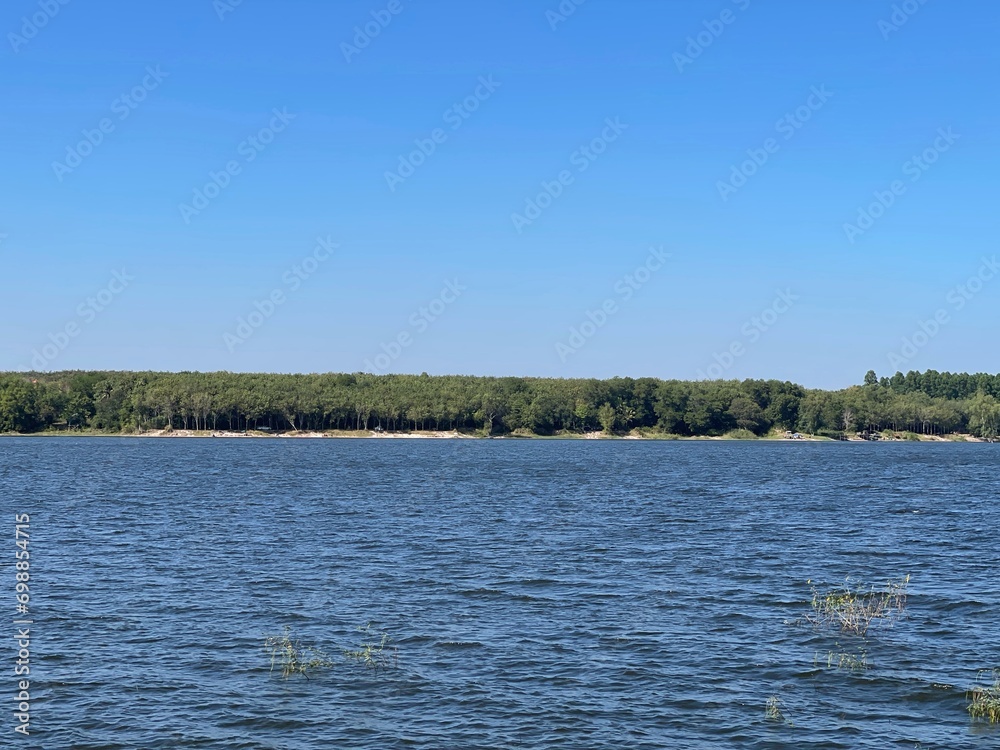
x=927 y=403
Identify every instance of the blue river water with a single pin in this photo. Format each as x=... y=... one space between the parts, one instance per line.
x=540 y=594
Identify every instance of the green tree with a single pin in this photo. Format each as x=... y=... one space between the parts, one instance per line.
x=606 y=416
x=747 y=414
x=984 y=416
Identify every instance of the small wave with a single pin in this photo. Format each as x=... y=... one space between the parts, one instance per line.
x=481 y=592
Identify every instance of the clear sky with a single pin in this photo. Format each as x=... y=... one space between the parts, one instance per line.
x=478 y=180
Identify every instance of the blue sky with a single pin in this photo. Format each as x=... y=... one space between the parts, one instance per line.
x=743 y=136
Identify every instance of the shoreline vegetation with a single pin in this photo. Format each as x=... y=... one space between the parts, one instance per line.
x=929 y=407
x=475 y=435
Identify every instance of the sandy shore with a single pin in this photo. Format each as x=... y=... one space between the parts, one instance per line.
x=423 y=434
x=455 y=435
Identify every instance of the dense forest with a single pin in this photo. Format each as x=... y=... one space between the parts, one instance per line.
x=925 y=403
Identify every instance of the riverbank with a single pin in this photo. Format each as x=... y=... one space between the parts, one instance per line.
x=465 y=435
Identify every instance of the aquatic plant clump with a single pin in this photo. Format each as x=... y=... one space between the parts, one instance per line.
x=772 y=709
x=292 y=656
x=375 y=652
x=984 y=700
x=855 y=609
x=846 y=660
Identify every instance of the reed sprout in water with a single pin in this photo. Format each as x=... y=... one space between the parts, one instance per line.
x=846 y=660
x=375 y=652
x=292 y=656
x=984 y=699
x=772 y=709
x=855 y=609
x=773 y=712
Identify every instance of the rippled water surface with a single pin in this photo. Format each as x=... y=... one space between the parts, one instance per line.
x=542 y=594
